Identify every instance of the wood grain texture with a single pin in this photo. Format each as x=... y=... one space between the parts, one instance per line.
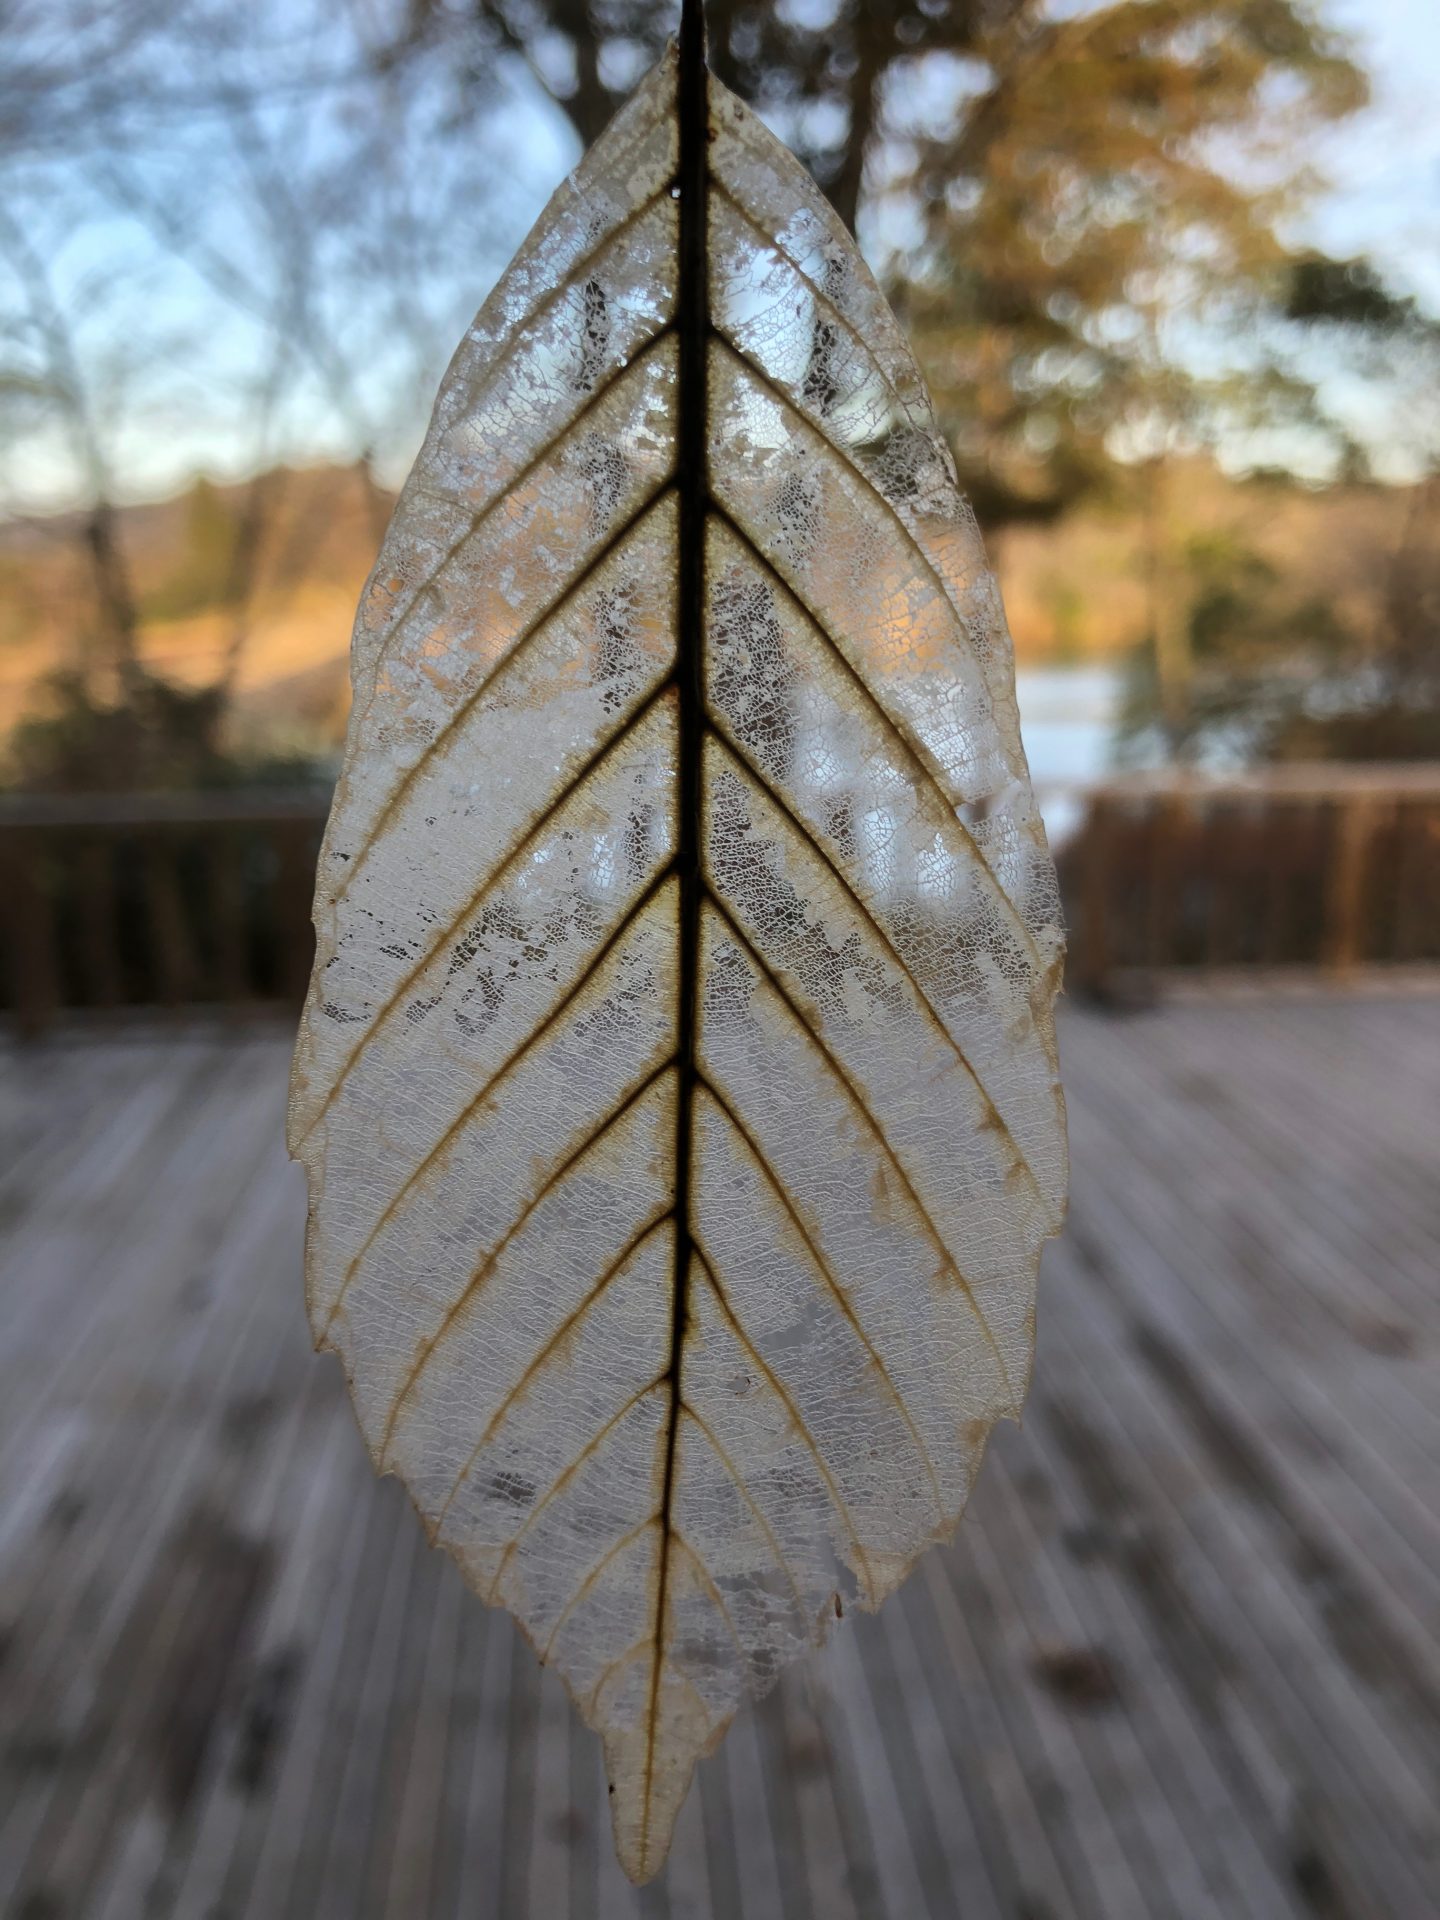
x=1179 y=1661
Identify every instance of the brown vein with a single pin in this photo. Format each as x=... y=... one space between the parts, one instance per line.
x=772 y=244
x=612 y=1273
x=823 y=1267
x=588 y=1142
x=613 y=1666
x=507 y=346
x=814 y=1030
x=913 y=752
x=533 y=830
x=664 y=1600
x=608 y=1558
x=536 y=1034
x=728 y=1464
x=566 y=1475
x=574 y=586
x=738 y=752
x=715 y=1594
x=477 y=520
x=797 y=1420
x=787 y=401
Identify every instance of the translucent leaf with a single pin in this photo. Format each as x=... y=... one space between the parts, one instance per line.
x=677 y=1086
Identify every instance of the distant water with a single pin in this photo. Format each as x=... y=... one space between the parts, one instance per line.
x=1068 y=717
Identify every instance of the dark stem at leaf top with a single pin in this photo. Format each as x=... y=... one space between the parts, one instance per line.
x=693 y=323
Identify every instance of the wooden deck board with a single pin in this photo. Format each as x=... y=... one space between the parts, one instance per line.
x=1181 y=1659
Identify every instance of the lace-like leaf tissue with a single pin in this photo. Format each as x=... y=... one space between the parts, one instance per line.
x=677 y=1085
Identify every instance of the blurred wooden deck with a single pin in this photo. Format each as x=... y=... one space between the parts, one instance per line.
x=1181 y=1661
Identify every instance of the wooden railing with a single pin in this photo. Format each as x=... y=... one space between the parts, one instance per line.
x=120 y=902
x=1317 y=867
x=203 y=900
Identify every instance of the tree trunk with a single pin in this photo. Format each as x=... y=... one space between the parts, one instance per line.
x=1168 y=636
x=874 y=46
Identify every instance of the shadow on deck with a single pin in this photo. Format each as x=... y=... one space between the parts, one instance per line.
x=1180 y=1662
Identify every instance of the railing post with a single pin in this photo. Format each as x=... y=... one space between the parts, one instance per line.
x=225 y=878
x=1354 y=820
x=99 y=934
x=1095 y=945
x=170 y=947
x=1168 y=823
x=1417 y=881
x=30 y=931
x=296 y=882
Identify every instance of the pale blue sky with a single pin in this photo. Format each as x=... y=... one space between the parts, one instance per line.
x=1386 y=167
x=1383 y=199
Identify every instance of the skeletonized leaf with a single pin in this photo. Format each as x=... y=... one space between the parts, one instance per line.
x=677 y=1086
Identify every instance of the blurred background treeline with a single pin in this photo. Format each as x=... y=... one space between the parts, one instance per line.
x=1172 y=269
x=1169 y=266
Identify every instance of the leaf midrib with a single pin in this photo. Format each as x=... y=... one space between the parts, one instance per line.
x=692 y=479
